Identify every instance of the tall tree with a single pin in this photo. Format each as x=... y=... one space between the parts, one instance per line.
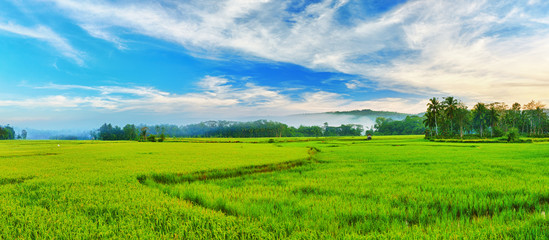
x=493 y=117
x=514 y=114
x=434 y=108
x=450 y=107
x=429 y=122
x=462 y=116
x=534 y=113
x=9 y=133
x=144 y=133
x=480 y=117
x=130 y=132
x=24 y=134
x=3 y=133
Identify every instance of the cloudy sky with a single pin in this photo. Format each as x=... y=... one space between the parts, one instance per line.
x=79 y=63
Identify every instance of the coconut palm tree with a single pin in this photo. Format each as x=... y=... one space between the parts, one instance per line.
x=434 y=108
x=462 y=116
x=429 y=122
x=479 y=116
x=493 y=117
x=514 y=114
x=450 y=107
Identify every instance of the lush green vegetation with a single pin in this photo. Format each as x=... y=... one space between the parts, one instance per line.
x=301 y=188
x=226 y=129
x=451 y=118
x=411 y=125
x=7 y=132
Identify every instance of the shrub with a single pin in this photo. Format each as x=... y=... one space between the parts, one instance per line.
x=513 y=135
x=498 y=132
x=151 y=138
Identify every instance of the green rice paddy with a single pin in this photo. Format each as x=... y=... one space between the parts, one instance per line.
x=292 y=188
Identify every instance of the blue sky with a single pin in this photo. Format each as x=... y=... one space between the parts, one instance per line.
x=79 y=63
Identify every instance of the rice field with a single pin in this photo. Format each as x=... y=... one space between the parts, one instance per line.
x=285 y=188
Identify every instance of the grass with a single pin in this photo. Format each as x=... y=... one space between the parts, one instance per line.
x=171 y=178
x=305 y=188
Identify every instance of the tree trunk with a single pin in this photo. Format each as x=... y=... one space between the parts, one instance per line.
x=436 y=126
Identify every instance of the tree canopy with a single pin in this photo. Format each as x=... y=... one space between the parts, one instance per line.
x=484 y=119
x=7 y=133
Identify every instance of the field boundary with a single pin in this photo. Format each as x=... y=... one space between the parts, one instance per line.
x=162 y=181
x=176 y=178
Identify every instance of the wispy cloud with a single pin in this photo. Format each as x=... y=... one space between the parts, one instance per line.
x=217 y=98
x=99 y=32
x=472 y=49
x=45 y=34
x=60 y=102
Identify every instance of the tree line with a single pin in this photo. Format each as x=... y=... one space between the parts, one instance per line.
x=228 y=129
x=450 y=118
x=411 y=125
x=7 y=133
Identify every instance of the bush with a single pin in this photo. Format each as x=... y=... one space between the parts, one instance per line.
x=151 y=138
x=271 y=140
x=513 y=135
x=498 y=132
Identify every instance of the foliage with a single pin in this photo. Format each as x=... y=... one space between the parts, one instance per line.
x=7 y=133
x=24 y=134
x=497 y=118
x=411 y=125
x=513 y=135
x=260 y=128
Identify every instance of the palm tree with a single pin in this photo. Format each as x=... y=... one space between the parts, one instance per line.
x=493 y=118
x=479 y=116
x=514 y=113
x=540 y=114
x=434 y=107
x=429 y=122
x=462 y=114
x=530 y=109
x=450 y=106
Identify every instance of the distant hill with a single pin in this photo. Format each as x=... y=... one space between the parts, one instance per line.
x=369 y=112
x=365 y=117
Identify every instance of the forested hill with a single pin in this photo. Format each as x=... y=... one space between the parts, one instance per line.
x=375 y=114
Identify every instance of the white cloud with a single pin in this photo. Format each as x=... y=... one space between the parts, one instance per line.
x=60 y=102
x=218 y=98
x=478 y=50
x=99 y=32
x=43 y=33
